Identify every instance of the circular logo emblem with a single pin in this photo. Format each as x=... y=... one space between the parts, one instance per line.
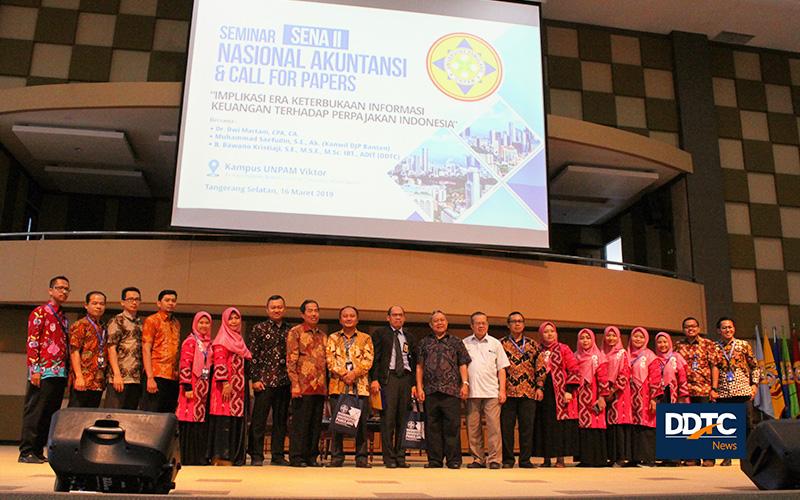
x=464 y=66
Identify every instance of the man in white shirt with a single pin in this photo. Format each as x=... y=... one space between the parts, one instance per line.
x=487 y=391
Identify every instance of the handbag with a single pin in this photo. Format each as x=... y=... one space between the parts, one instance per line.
x=414 y=430
x=347 y=415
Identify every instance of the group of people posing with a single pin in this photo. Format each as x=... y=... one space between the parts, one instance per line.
x=596 y=403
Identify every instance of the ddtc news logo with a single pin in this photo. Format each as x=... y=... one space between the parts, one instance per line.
x=701 y=430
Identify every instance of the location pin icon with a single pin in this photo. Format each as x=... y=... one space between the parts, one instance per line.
x=212 y=166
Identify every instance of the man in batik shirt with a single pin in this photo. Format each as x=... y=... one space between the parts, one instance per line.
x=700 y=353
x=88 y=352
x=48 y=362
x=735 y=374
x=125 y=353
x=270 y=383
x=525 y=378
x=306 y=366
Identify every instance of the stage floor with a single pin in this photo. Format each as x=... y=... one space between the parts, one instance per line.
x=36 y=481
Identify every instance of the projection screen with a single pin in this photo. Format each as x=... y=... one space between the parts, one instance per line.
x=399 y=120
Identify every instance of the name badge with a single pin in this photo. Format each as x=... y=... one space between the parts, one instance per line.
x=204 y=373
x=349 y=366
x=695 y=365
x=729 y=377
x=101 y=362
x=405 y=348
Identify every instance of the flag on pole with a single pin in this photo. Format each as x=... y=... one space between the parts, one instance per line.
x=776 y=346
x=763 y=399
x=773 y=380
x=788 y=379
x=796 y=358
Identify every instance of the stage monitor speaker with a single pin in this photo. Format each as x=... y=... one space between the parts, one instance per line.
x=113 y=451
x=773 y=455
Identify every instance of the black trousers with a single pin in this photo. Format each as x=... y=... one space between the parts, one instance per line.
x=396 y=396
x=128 y=399
x=84 y=399
x=444 y=428
x=163 y=401
x=306 y=427
x=522 y=411
x=40 y=404
x=337 y=450
x=275 y=399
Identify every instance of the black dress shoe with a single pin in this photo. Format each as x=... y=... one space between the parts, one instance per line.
x=402 y=465
x=42 y=458
x=336 y=463
x=527 y=465
x=433 y=466
x=315 y=464
x=278 y=461
x=390 y=465
x=475 y=465
x=29 y=458
x=509 y=466
x=454 y=466
x=363 y=464
x=297 y=464
x=494 y=465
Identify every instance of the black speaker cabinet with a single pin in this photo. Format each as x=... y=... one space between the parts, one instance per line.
x=773 y=455
x=119 y=451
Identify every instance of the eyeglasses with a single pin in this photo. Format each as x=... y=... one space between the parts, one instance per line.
x=516 y=321
x=132 y=299
x=62 y=289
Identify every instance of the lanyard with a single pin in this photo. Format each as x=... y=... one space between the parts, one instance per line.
x=348 y=344
x=203 y=349
x=665 y=364
x=62 y=320
x=101 y=340
x=521 y=348
x=728 y=354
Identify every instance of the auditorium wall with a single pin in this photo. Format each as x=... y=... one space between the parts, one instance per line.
x=614 y=77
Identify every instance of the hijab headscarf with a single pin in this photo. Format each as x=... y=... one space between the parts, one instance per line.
x=588 y=359
x=669 y=373
x=201 y=358
x=548 y=347
x=612 y=352
x=638 y=372
x=541 y=329
x=232 y=339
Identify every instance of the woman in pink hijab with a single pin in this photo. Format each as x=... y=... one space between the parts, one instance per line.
x=645 y=389
x=195 y=374
x=673 y=368
x=618 y=410
x=229 y=392
x=593 y=388
x=672 y=374
x=555 y=429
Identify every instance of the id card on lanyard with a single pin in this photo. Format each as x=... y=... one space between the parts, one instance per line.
x=101 y=342
x=729 y=357
x=520 y=348
x=205 y=372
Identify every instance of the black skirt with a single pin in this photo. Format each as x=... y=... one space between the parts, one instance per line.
x=643 y=444
x=592 y=448
x=194 y=443
x=618 y=442
x=553 y=437
x=228 y=438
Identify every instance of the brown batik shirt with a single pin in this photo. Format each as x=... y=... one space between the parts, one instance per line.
x=700 y=355
x=305 y=360
x=527 y=372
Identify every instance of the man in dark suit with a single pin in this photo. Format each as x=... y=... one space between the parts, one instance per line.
x=392 y=374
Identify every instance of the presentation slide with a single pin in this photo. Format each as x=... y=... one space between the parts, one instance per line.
x=398 y=120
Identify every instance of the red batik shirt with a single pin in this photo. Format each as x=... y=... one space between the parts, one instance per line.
x=47 y=342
